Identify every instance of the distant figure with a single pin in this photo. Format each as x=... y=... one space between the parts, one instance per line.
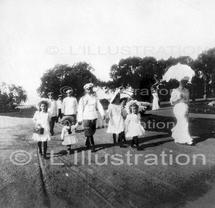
x=59 y=106
x=155 y=102
x=69 y=107
x=42 y=129
x=180 y=99
x=87 y=113
x=53 y=111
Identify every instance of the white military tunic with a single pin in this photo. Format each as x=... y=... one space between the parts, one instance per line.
x=87 y=108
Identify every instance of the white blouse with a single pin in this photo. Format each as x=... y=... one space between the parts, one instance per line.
x=69 y=106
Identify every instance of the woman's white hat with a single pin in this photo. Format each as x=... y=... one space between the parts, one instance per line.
x=115 y=94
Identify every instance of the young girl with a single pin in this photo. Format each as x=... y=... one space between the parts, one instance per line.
x=68 y=134
x=133 y=127
x=116 y=121
x=42 y=130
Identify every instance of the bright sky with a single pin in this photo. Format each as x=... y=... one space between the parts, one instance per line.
x=36 y=35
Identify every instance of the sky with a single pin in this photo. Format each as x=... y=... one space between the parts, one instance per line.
x=36 y=35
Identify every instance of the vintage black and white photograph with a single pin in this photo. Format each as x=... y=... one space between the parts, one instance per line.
x=107 y=104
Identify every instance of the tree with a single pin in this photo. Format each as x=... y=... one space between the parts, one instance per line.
x=137 y=73
x=62 y=77
x=11 y=96
x=205 y=68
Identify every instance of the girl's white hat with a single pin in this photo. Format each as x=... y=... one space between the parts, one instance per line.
x=141 y=105
x=132 y=102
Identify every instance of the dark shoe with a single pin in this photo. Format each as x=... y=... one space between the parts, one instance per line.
x=87 y=144
x=45 y=157
x=93 y=149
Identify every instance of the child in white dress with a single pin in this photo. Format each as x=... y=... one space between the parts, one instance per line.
x=133 y=127
x=41 y=120
x=68 y=134
x=116 y=121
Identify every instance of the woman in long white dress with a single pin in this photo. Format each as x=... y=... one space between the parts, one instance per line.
x=116 y=121
x=180 y=98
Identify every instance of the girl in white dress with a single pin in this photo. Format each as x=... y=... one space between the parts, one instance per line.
x=180 y=98
x=41 y=120
x=116 y=121
x=133 y=127
x=68 y=134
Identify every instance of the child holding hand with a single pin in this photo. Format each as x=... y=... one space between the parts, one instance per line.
x=68 y=134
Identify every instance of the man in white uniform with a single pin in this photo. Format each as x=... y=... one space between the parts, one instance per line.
x=52 y=110
x=87 y=113
x=69 y=107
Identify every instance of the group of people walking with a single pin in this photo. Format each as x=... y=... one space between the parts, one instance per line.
x=123 y=113
x=71 y=114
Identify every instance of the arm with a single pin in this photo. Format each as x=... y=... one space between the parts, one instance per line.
x=56 y=108
x=175 y=97
x=62 y=133
x=139 y=118
x=63 y=107
x=109 y=111
x=80 y=111
x=76 y=105
x=100 y=109
x=187 y=97
x=127 y=121
x=35 y=117
x=73 y=127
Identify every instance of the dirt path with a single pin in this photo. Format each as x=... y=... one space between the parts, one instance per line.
x=66 y=182
x=21 y=180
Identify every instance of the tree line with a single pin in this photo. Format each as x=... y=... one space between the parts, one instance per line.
x=11 y=96
x=136 y=72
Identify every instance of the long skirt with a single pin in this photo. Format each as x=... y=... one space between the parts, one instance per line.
x=180 y=133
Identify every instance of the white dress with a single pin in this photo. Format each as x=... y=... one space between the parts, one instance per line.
x=180 y=132
x=68 y=139
x=133 y=126
x=116 y=121
x=42 y=119
x=155 y=104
